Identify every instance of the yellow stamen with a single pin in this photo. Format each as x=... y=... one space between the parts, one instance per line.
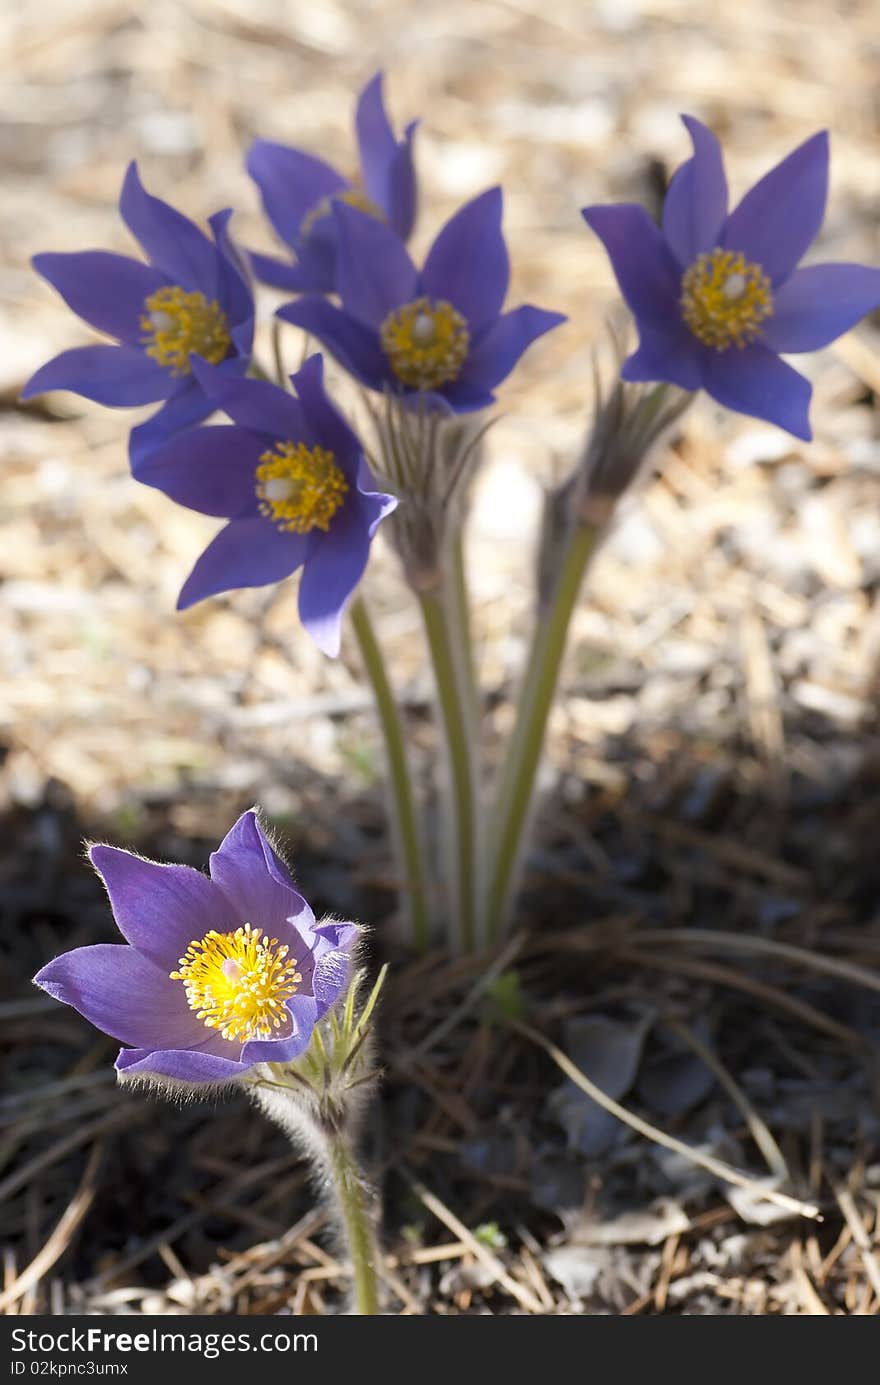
x=725 y=298
x=239 y=982
x=353 y=197
x=300 y=487
x=426 y=343
x=176 y=322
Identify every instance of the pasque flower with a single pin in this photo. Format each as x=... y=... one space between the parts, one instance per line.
x=218 y=973
x=439 y=332
x=290 y=477
x=298 y=193
x=718 y=297
x=191 y=297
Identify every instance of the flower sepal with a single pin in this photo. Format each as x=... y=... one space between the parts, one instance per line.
x=326 y=1086
x=429 y=456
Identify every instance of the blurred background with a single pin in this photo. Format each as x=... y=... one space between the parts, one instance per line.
x=718 y=747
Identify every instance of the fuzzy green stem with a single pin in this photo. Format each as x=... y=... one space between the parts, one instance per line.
x=352 y=1194
x=462 y=610
x=405 y=823
x=455 y=701
x=510 y=815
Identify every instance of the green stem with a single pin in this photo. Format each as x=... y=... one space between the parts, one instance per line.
x=523 y=753
x=463 y=623
x=352 y=1193
x=405 y=823
x=455 y=702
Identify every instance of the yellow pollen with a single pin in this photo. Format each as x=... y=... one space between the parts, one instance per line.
x=426 y=343
x=175 y=323
x=725 y=298
x=239 y=982
x=299 y=487
x=353 y=197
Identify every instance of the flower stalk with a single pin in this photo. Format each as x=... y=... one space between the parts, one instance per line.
x=628 y=422
x=430 y=459
x=460 y=595
x=319 y=1102
x=511 y=811
x=351 y=1193
x=323 y=1127
x=405 y=827
x=455 y=705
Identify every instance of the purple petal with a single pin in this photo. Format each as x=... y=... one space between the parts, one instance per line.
x=467 y=264
x=120 y=376
x=332 y=946
x=376 y=142
x=780 y=217
x=460 y=397
x=247 y=553
x=671 y=354
x=242 y=340
x=291 y=184
x=316 y=254
x=211 y=470
x=280 y=274
x=374 y=504
x=184 y=408
x=816 y=305
x=125 y=995
x=107 y=291
x=499 y=346
x=185 y=1065
x=265 y=409
x=304 y=1012
x=755 y=381
x=234 y=290
x=159 y=909
x=339 y=937
x=256 y=881
x=332 y=978
x=173 y=242
x=374 y=273
x=324 y=422
x=355 y=346
x=696 y=202
x=333 y=569
x=644 y=266
x=401 y=200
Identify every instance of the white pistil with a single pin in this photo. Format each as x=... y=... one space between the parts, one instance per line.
x=734 y=287
x=278 y=488
x=163 y=322
x=423 y=330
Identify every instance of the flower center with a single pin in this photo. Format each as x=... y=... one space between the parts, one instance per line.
x=299 y=487
x=239 y=982
x=176 y=323
x=725 y=298
x=353 y=196
x=425 y=342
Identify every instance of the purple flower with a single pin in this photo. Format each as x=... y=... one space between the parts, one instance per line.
x=291 y=478
x=299 y=192
x=192 y=297
x=718 y=297
x=438 y=333
x=218 y=973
